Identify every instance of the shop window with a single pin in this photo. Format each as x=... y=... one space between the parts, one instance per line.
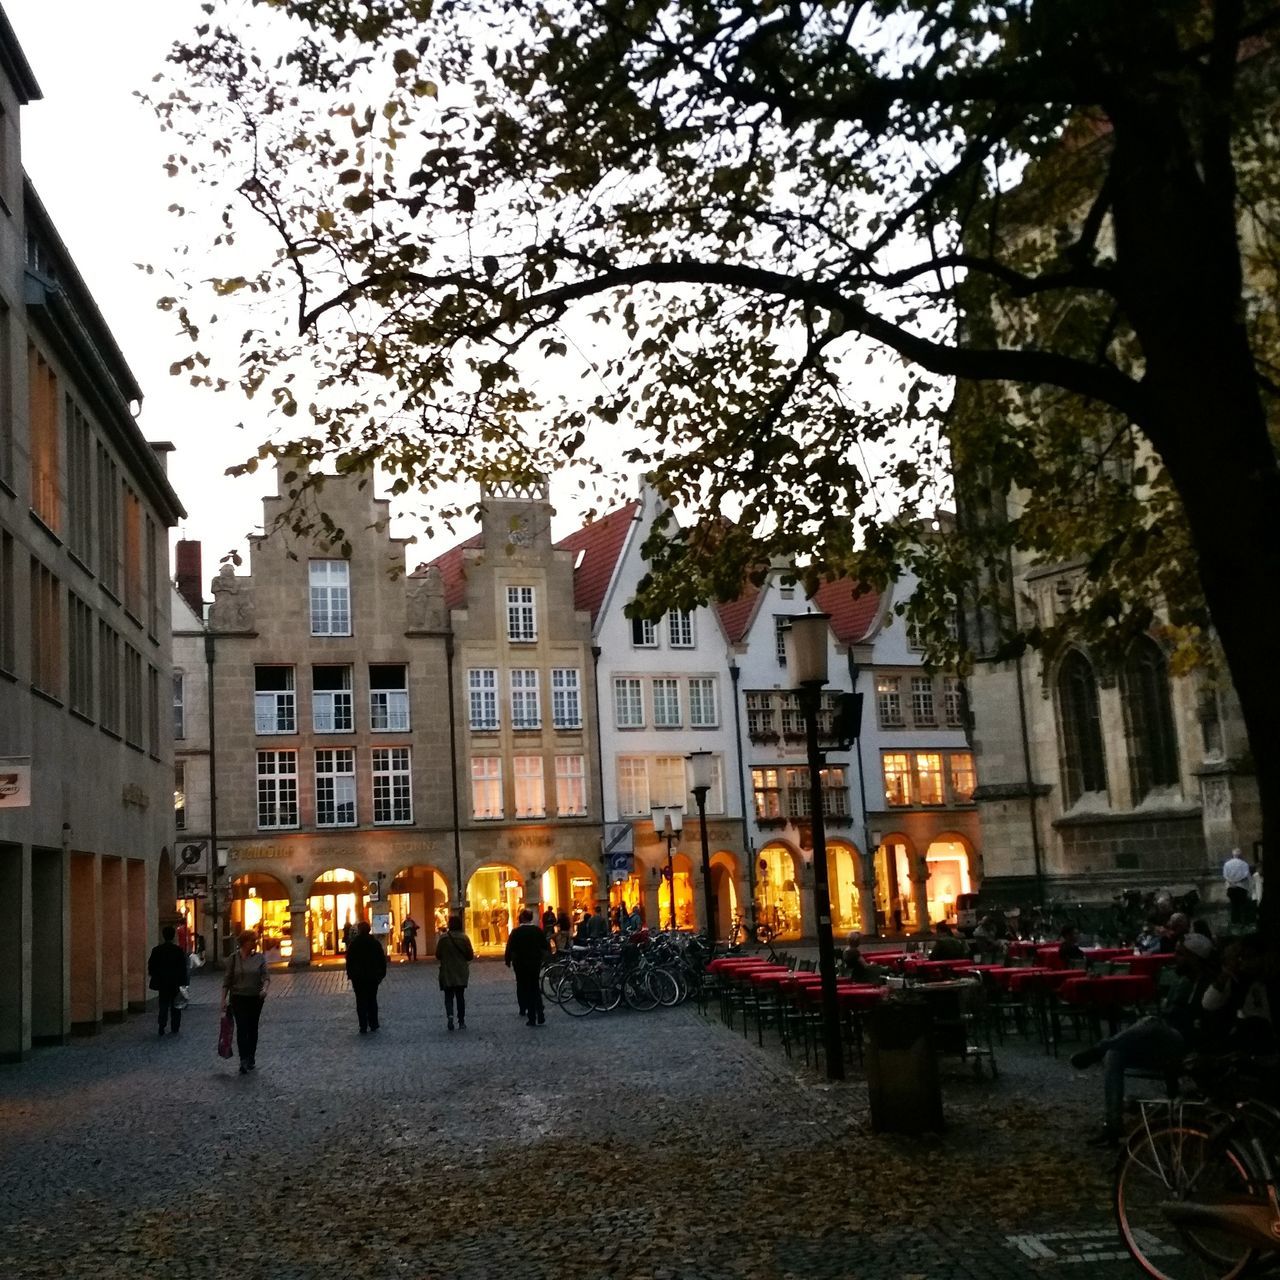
x=633 y=786
x=566 y=698
x=389 y=698
x=526 y=703
x=531 y=794
x=1153 y=739
x=482 y=699
x=963 y=778
x=666 y=703
x=331 y=708
x=179 y=705
x=929 y=777
x=571 y=786
x=644 y=633
x=1083 y=757
x=897 y=778
x=330 y=586
x=680 y=629
x=768 y=793
x=922 y=709
x=889 y=702
x=336 y=787
x=522 y=625
x=392 y=786
x=486 y=787
x=277 y=789
x=274 y=705
x=628 y=703
x=704 y=712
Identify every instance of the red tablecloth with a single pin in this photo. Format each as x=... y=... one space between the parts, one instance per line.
x=1011 y=980
x=1018 y=949
x=860 y=997
x=1148 y=964
x=765 y=976
x=934 y=968
x=1102 y=954
x=1049 y=954
x=1117 y=988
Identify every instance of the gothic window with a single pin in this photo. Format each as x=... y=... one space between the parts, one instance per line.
x=1153 y=743
x=1083 y=758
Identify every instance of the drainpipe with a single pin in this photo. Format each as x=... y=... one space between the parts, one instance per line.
x=1031 y=793
x=460 y=890
x=604 y=862
x=214 y=869
x=734 y=674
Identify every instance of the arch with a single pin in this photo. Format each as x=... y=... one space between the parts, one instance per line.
x=844 y=862
x=1084 y=760
x=1148 y=716
x=571 y=885
x=778 y=889
x=684 y=911
x=260 y=902
x=724 y=889
x=895 y=904
x=949 y=859
x=338 y=900
x=419 y=892
x=495 y=896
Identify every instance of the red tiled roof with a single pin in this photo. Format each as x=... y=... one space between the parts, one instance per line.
x=852 y=614
x=600 y=544
x=453 y=570
x=735 y=615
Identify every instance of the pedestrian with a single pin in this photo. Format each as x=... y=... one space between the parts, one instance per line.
x=366 y=967
x=527 y=951
x=167 y=971
x=454 y=953
x=549 y=921
x=246 y=984
x=583 y=936
x=409 y=938
x=635 y=920
x=599 y=926
x=1235 y=871
x=564 y=932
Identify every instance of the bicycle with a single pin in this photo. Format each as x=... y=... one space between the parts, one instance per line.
x=1195 y=1194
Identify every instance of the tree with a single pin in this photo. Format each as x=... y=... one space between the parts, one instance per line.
x=1066 y=209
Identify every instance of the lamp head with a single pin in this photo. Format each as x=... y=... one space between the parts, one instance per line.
x=700 y=766
x=806 y=643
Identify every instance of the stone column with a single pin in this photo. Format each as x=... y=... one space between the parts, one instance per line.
x=866 y=873
x=300 y=956
x=805 y=882
x=651 y=900
x=920 y=895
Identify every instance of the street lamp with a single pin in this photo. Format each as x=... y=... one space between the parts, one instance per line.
x=700 y=765
x=807 y=639
x=668 y=821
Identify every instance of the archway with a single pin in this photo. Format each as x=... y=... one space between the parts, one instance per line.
x=336 y=905
x=947 y=859
x=724 y=890
x=495 y=894
x=421 y=893
x=261 y=903
x=778 y=891
x=684 y=913
x=895 y=904
x=842 y=879
x=570 y=886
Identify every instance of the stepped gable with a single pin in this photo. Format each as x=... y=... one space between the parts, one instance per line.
x=597 y=547
x=453 y=570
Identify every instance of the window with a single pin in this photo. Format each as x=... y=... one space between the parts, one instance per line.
x=666 y=704
x=929 y=777
x=897 y=778
x=392 y=785
x=179 y=705
x=768 y=793
x=389 y=698
x=153 y=711
x=336 y=787
x=762 y=723
x=703 y=712
x=835 y=793
x=331 y=709
x=522 y=625
x=1083 y=759
x=79 y=481
x=571 y=786
x=46 y=497
x=644 y=634
x=274 y=709
x=277 y=789
x=889 y=701
x=680 y=629
x=633 y=786
x=792 y=717
x=6 y=375
x=180 y=795
x=8 y=600
x=566 y=698
x=670 y=786
x=953 y=702
x=486 y=787
x=799 y=800
x=963 y=778
x=922 y=711
x=797 y=788
x=1153 y=740
x=482 y=699
x=330 y=597
x=526 y=713
x=132 y=551
x=108 y=521
x=46 y=631
x=132 y=695
x=108 y=678
x=628 y=703
x=781 y=625
x=531 y=793
x=80 y=654
x=152 y=567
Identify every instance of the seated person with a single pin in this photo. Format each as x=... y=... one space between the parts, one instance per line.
x=1240 y=989
x=948 y=946
x=1159 y=1044
x=1173 y=932
x=1069 y=948
x=854 y=965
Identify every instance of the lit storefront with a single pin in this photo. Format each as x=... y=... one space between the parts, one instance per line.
x=895 y=905
x=569 y=886
x=495 y=895
x=778 y=891
x=724 y=888
x=261 y=903
x=338 y=899
x=948 y=863
x=684 y=906
x=628 y=893
x=842 y=880
x=421 y=892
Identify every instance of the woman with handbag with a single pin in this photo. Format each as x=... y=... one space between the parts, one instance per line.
x=246 y=985
x=454 y=953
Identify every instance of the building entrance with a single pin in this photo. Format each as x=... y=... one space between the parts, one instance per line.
x=337 y=904
x=777 y=894
x=261 y=903
x=420 y=893
x=569 y=886
x=495 y=895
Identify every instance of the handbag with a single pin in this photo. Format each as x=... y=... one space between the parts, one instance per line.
x=226 y=1029
x=182 y=999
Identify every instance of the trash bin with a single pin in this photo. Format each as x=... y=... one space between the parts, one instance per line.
x=902 y=1070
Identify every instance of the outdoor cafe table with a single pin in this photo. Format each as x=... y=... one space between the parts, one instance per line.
x=934 y=968
x=767 y=975
x=1103 y=996
x=1148 y=965
x=1019 y=949
x=734 y=964
x=1013 y=979
x=1103 y=954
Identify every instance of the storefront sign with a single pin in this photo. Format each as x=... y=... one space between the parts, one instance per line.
x=256 y=852
x=15 y=782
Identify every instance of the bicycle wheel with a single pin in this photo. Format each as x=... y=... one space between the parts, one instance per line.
x=1181 y=1165
x=607 y=994
x=575 y=993
x=665 y=988
x=550 y=977
x=638 y=993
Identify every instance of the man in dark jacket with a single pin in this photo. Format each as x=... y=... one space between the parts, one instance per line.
x=167 y=971
x=527 y=951
x=366 y=967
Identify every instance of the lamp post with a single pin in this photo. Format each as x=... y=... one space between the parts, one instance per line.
x=700 y=763
x=807 y=640
x=668 y=821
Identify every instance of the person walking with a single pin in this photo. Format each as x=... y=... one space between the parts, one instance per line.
x=1236 y=872
x=167 y=971
x=527 y=951
x=245 y=986
x=564 y=929
x=366 y=967
x=409 y=938
x=454 y=953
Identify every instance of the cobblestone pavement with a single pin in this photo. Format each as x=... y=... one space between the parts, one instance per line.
x=661 y=1146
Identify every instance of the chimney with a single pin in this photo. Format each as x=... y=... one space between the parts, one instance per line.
x=189 y=576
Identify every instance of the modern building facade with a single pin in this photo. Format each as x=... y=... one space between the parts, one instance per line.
x=86 y=764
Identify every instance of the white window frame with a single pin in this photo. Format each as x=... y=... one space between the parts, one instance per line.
x=644 y=633
x=392 y=769
x=335 y=786
x=530 y=787
x=704 y=702
x=924 y=705
x=486 y=788
x=526 y=698
x=390 y=706
x=566 y=698
x=277 y=777
x=952 y=702
x=571 y=786
x=275 y=711
x=484 y=715
x=329 y=705
x=666 y=703
x=179 y=705
x=522 y=616
x=680 y=629
x=628 y=702
x=330 y=597
x=633 y=786
x=905 y=796
x=669 y=782
x=940 y=773
x=889 y=702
